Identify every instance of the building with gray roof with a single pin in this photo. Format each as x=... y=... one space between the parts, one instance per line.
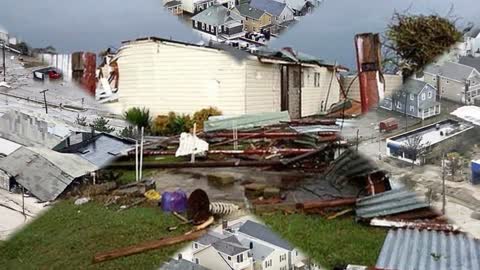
x=470 y=61
x=455 y=81
x=182 y=264
x=217 y=22
x=43 y=172
x=263 y=233
x=279 y=11
x=415 y=98
x=101 y=149
x=230 y=246
x=412 y=249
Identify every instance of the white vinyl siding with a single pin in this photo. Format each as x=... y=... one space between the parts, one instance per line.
x=313 y=96
x=184 y=79
x=263 y=87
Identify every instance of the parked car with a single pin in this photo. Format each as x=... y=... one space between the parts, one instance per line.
x=51 y=73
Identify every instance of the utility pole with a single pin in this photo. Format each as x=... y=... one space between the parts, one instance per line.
x=406 y=116
x=141 y=155
x=444 y=201
x=23 y=201
x=467 y=88
x=45 y=99
x=4 y=65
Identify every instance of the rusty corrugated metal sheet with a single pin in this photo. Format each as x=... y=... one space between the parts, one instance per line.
x=84 y=66
x=367 y=47
x=89 y=81
x=414 y=249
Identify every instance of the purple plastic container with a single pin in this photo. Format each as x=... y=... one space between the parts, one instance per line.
x=174 y=201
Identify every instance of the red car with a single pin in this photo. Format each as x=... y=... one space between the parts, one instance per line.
x=51 y=72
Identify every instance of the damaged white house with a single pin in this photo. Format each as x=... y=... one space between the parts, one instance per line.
x=165 y=75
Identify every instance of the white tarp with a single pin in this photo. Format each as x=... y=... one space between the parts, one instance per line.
x=190 y=144
x=468 y=113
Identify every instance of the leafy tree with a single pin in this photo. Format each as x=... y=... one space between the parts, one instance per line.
x=128 y=132
x=140 y=117
x=455 y=164
x=413 y=41
x=201 y=116
x=101 y=124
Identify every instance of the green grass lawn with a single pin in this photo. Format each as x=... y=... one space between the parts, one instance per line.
x=330 y=243
x=68 y=236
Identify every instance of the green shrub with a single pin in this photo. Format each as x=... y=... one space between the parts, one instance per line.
x=201 y=116
x=140 y=117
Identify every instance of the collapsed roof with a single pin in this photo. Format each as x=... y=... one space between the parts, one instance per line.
x=286 y=55
x=43 y=172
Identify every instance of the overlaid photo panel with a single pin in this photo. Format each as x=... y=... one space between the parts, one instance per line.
x=240 y=135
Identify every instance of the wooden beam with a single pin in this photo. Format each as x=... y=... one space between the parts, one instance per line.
x=143 y=247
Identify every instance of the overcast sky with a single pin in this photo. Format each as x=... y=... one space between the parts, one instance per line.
x=92 y=25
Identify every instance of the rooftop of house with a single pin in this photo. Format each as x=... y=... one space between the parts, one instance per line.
x=217 y=15
x=182 y=264
x=173 y=3
x=470 y=61
x=210 y=238
x=230 y=246
x=262 y=232
x=101 y=149
x=298 y=4
x=259 y=251
x=434 y=133
x=451 y=70
x=412 y=86
x=246 y=10
x=473 y=33
x=272 y=7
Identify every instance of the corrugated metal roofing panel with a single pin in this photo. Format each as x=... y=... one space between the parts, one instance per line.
x=246 y=121
x=389 y=203
x=414 y=249
x=45 y=173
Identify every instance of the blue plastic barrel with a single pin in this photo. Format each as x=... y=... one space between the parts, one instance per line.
x=475 y=172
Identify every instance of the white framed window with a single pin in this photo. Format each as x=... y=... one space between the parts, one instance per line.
x=430 y=94
x=412 y=97
x=412 y=108
x=197 y=261
x=399 y=105
x=203 y=26
x=423 y=96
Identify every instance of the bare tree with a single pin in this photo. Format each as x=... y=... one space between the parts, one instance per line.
x=414 y=148
x=454 y=164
